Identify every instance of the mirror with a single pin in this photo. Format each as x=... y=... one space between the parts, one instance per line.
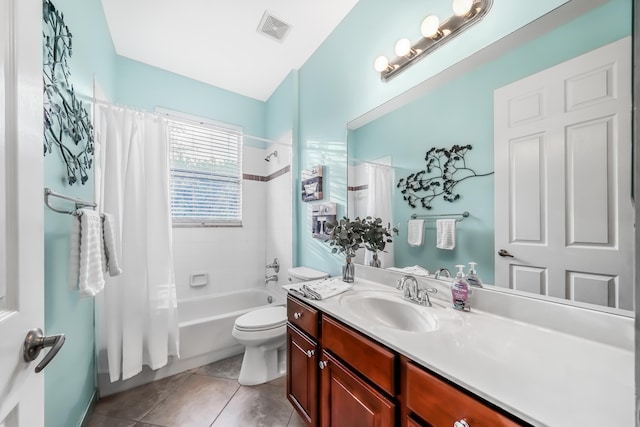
x=387 y=145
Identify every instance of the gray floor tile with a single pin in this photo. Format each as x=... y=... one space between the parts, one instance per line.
x=134 y=404
x=194 y=403
x=102 y=421
x=227 y=368
x=260 y=406
x=279 y=382
x=296 y=420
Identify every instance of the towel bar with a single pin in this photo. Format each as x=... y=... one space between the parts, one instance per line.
x=79 y=203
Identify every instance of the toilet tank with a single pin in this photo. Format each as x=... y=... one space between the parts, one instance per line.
x=304 y=274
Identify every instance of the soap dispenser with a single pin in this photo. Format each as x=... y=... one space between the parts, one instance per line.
x=472 y=277
x=460 y=291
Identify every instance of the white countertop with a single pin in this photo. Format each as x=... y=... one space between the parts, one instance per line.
x=542 y=376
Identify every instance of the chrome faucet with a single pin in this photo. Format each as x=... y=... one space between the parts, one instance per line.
x=272 y=278
x=442 y=271
x=413 y=293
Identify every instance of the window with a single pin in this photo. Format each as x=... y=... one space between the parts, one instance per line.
x=206 y=172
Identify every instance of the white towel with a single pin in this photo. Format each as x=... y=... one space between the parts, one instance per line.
x=111 y=262
x=446 y=234
x=415 y=232
x=85 y=264
x=323 y=289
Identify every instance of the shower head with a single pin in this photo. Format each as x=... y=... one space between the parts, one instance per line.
x=268 y=158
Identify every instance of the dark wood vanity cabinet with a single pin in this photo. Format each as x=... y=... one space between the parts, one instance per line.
x=338 y=377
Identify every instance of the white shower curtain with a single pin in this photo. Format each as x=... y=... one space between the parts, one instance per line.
x=380 y=181
x=136 y=315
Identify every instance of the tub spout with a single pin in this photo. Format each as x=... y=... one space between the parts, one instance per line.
x=273 y=278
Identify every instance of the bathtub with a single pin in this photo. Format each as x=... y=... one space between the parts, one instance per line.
x=205 y=326
x=206 y=322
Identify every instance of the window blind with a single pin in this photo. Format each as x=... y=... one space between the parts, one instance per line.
x=206 y=173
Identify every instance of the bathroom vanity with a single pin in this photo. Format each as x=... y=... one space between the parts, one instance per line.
x=352 y=362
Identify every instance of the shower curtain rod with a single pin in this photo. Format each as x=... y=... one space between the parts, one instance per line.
x=140 y=110
x=79 y=203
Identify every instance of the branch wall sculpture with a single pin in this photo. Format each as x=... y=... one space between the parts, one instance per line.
x=445 y=169
x=67 y=124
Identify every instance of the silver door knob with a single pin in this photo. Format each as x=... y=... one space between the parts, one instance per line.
x=310 y=353
x=35 y=341
x=297 y=315
x=323 y=364
x=461 y=423
x=504 y=253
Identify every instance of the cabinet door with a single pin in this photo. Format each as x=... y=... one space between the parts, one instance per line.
x=302 y=375
x=347 y=401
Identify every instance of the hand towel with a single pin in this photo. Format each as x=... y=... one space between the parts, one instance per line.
x=415 y=232
x=112 y=258
x=90 y=277
x=446 y=234
x=323 y=289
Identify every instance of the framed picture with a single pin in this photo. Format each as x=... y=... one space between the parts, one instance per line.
x=311 y=184
x=321 y=215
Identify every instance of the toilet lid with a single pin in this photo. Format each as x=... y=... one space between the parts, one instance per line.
x=262 y=319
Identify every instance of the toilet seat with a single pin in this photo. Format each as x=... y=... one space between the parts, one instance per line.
x=263 y=319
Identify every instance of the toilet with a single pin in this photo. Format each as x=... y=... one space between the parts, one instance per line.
x=263 y=333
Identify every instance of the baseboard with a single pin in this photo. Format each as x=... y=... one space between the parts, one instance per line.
x=89 y=409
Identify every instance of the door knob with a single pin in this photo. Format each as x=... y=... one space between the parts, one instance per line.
x=310 y=353
x=323 y=364
x=504 y=253
x=35 y=341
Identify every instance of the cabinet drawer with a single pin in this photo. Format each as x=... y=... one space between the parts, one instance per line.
x=441 y=404
x=367 y=357
x=303 y=316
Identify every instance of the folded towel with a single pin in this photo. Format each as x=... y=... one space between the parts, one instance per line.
x=415 y=232
x=86 y=254
x=446 y=234
x=323 y=289
x=112 y=263
x=415 y=270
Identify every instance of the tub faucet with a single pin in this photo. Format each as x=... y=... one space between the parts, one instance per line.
x=444 y=272
x=272 y=278
x=275 y=265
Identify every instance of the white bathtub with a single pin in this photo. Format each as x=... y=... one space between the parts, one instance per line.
x=205 y=334
x=206 y=322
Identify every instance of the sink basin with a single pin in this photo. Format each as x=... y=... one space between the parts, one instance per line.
x=389 y=310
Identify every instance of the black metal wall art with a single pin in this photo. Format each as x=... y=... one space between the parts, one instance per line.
x=67 y=123
x=446 y=168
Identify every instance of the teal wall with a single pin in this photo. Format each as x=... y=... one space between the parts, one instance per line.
x=461 y=112
x=337 y=84
x=143 y=86
x=70 y=378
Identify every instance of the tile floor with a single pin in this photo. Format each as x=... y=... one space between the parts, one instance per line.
x=209 y=396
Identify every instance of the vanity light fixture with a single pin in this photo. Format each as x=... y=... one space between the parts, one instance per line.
x=435 y=34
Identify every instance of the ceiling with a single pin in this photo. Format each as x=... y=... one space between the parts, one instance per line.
x=216 y=41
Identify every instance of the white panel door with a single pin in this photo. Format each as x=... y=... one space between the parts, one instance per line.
x=563 y=209
x=21 y=209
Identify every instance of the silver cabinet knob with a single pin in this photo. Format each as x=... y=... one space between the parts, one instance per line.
x=461 y=423
x=310 y=353
x=297 y=315
x=323 y=364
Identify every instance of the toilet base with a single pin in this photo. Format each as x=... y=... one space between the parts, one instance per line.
x=262 y=364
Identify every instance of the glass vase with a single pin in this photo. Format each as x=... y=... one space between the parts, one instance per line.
x=375 y=261
x=348 y=271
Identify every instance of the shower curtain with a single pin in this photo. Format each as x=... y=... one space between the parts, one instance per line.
x=380 y=182
x=136 y=315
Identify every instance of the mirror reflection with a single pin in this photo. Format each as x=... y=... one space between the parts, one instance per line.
x=552 y=119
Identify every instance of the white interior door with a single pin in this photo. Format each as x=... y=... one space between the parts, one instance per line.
x=563 y=207
x=21 y=209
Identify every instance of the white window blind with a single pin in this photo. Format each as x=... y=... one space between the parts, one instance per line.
x=206 y=173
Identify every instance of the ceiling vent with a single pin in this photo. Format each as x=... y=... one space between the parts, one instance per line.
x=273 y=27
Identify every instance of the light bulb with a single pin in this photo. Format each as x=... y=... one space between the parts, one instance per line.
x=462 y=7
x=381 y=63
x=429 y=27
x=403 y=47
